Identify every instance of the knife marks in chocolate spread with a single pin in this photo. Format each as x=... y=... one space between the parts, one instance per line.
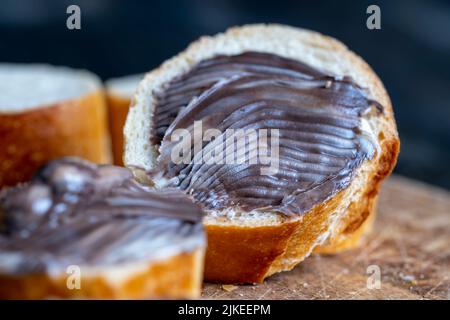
x=318 y=117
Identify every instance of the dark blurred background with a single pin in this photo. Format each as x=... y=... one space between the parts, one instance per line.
x=411 y=53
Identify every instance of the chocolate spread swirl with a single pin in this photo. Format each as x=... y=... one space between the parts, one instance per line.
x=318 y=116
x=77 y=213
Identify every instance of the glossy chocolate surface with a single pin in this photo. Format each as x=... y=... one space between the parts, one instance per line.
x=318 y=117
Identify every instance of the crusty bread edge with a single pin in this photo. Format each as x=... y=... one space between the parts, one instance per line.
x=177 y=276
x=118 y=106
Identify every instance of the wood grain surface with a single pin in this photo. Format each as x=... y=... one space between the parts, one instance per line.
x=410 y=244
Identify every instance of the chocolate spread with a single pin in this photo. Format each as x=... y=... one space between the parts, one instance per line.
x=318 y=117
x=77 y=213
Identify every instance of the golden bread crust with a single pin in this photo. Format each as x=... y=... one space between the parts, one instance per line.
x=117 y=110
x=176 y=277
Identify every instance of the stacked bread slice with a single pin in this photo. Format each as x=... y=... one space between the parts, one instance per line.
x=47 y=112
x=119 y=92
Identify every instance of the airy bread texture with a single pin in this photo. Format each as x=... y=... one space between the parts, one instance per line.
x=119 y=92
x=246 y=247
x=177 y=276
x=47 y=112
x=28 y=86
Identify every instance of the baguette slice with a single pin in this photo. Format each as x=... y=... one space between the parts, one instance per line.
x=80 y=230
x=248 y=246
x=119 y=92
x=47 y=112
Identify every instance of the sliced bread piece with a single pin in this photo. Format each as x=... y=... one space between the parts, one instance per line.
x=47 y=112
x=338 y=141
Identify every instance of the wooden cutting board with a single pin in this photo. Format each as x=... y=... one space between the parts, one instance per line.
x=410 y=245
